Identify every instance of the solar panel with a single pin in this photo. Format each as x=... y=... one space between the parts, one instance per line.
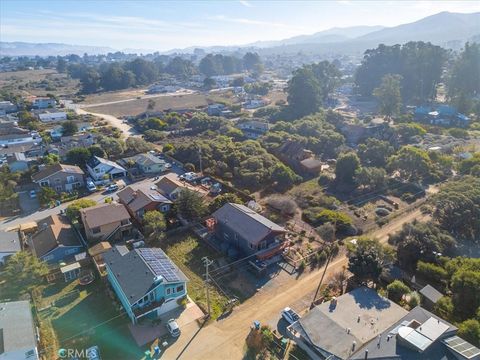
x=462 y=347
x=160 y=263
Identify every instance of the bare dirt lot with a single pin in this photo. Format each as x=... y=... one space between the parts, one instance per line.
x=38 y=82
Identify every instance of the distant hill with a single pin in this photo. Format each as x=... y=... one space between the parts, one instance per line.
x=327 y=36
x=48 y=49
x=439 y=28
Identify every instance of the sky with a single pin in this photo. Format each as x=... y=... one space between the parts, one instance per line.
x=165 y=25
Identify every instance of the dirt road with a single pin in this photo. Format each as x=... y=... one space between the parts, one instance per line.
x=226 y=339
x=125 y=128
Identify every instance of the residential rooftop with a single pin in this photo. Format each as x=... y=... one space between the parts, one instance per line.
x=104 y=214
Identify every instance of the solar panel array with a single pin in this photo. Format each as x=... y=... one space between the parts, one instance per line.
x=160 y=263
x=461 y=346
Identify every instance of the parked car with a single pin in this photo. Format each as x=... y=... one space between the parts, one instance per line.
x=173 y=328
x=91 y=186
x=168 y=166
x=289 y=315
x=112 y=188
x=189 y=176
x=33 y=194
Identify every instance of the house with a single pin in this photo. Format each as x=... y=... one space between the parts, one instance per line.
x=140 y=198
x=443 y=115
x=60 y=177
x=11 y=134
x=146 y=281
x=9 y=245
x=170 y=186
x=55 y=240
x=101 y=169
x=50 y=115
x=341 y=327
x=18 y=338
x=71 y=271
x=430 y=296
x=254 y=129
x=68 y=143
x=106 y=222
x=145 y=163
x=244 y=230
x=364 y=325
x=419 y=335
x=355 y=133
x=17 y=162
x=7 y=107
x=218 y=110
x=43 y=103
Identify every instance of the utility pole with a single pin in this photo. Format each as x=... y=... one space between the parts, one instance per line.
x=330 y=257
x=207 y=263
x=200 y=159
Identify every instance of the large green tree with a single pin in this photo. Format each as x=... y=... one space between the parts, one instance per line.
x=388 y=95
x=375 y=152
x=464 y=79
x=154 y=225
x=347 y=165
x=25 y=270
x=190 y=205
x=73 y=210
x=411 y=163
x=366 y=260
x=223 y=199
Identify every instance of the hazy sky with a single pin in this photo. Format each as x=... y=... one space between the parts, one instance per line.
x=163 y=25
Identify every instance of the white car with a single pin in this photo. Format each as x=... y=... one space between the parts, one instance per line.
x=173 y=328
x=188 y=176
x=289 y=315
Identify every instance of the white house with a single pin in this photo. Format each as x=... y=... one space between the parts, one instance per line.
x=100 y=169
x=52 y=116
x=43 y=103
x=7 y=107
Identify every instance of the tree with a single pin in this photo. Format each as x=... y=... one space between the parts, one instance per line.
x=470 y=331
x=397 y=290
x=412 y=163
x=51 y=159
x=347 y=165
x=69 y=128
x=209 y=83
x=375 y=152
x=388 y=95
x=456 y=207
x=90 y=81
x=284 y=176
x=137 y=145
x=341 y=220
x=180 y=68
x=150 y=104
x=61 y=65
x=190 y=205
x=464 y=79
x=144 y=72
x=327 y=231
x=371 y=178
x=366 y=260
x=78 y=156
x=96 y=150
x=253 y=62
x=223 y=199
x=304 y=96
x=407 y=131
x=25 y=270
x=431 y=272
x=154 y=225
x=73 y=210
x=47 y=195
x=465 y=286
x=112 y=146
x=421 y=241
x=209 y=67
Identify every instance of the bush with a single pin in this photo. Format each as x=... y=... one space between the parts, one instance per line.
x=324 y=179
x=396 y=290
x=414 y=300
x=408 y=197
x=284 y=204
x=189 y=167
x=431 y=272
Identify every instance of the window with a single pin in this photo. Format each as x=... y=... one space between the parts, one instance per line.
x=58 y=187
x=226 y=236
x=263 y=245
x=180 y=288
x=168 y=291
x=57 y=180
x=96 y=230
x=152 y=296
x=125 y=222
x=165 y=208
x=145 y=298
x=252 y=246
x=44 y=183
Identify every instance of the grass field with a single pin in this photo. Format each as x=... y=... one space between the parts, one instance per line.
x=187 y=253
x=85 y=316
x=38 y=82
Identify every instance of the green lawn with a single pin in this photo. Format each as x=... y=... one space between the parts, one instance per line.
x=85 y=316
x=187 y=252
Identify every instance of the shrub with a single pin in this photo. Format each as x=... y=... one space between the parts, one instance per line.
x=414 y=300
x=431 y=272
x=284 y=204
x=396 y=290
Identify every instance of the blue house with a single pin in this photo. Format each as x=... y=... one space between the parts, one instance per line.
x=146 y=281
x=55 y=240
x=444 y=115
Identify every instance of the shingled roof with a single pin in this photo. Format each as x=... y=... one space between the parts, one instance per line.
x=247 y=223
x=53 y=169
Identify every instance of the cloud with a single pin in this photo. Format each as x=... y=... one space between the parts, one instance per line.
x=245 y=3
x=246 y=21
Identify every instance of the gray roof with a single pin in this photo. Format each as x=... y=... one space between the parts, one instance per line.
x=362 y=311
x=144 y=159
x=95 y=161
x=390 y=348
x=16 y=329
x=103 y=214
x=9 y=242
x=137 y=196
x=431 y=293
x=136 y=275
x=247 y=223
